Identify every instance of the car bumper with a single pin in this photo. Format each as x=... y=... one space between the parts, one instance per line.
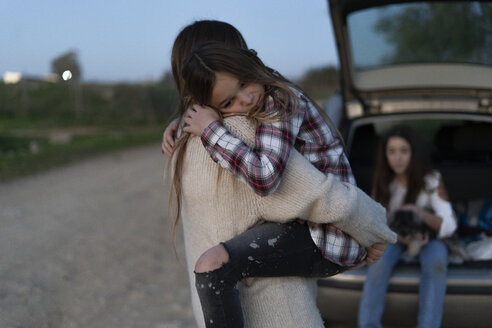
x=468 y=300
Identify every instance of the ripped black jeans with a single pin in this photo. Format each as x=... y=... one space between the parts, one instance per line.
x=266 y=250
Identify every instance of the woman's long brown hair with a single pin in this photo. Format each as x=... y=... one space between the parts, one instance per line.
x=189 y=37
x=416 y=171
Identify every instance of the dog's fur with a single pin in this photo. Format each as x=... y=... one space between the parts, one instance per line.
x=408 y=225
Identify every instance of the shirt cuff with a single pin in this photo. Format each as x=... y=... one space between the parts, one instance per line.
x=212 y=133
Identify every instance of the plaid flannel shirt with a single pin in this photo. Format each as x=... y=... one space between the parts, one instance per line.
x=261 y=167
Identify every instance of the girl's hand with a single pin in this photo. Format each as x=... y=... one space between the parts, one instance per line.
x=374 y=253
x=168 y=138
x=404 y=240
x=413 y=208
x=431 y=220
x=425 y=239
x=198 y=118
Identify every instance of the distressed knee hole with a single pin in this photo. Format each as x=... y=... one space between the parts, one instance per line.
x=212 y=259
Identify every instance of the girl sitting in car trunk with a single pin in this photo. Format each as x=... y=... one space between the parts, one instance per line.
x=402 y=181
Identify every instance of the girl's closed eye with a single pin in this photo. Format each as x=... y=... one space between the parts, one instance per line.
x=228 y=104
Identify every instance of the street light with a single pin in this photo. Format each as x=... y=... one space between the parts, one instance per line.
x=66 y=75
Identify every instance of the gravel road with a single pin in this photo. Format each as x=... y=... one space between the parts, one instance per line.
x=88 y=245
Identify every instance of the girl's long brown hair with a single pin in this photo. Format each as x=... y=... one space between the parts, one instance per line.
x=209 y=58
x=416 y=171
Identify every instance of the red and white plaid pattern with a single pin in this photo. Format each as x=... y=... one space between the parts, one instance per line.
x=337 y=246
x=261 y=167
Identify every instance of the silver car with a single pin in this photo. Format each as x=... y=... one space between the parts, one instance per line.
x=428 y=64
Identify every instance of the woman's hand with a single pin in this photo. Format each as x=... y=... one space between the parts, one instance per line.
x=198 y=118
x=168 y=138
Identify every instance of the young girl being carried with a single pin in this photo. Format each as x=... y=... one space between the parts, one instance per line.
x=235 y=81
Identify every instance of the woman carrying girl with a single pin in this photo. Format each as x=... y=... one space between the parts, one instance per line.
x=268 y=300
x=235 y=81
x=403 y=182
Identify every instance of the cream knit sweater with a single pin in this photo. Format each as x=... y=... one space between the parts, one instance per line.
x=217 y=206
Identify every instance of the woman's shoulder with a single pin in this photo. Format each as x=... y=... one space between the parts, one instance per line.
x=242 y=127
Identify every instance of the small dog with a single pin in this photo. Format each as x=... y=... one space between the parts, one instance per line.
x=409 y=226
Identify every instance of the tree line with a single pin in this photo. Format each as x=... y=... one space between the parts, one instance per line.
x=69 y=101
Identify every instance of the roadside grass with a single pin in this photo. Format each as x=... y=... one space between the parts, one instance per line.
x=30 y=150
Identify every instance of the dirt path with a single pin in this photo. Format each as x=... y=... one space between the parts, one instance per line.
x=88 y=245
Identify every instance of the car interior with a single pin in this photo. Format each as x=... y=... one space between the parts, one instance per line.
x=460 y=149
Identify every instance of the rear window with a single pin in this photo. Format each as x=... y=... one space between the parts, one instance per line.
x=432 y=32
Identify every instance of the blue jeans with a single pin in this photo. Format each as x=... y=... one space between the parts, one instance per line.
x=432 y=288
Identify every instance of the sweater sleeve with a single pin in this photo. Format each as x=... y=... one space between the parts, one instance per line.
x=305 y=192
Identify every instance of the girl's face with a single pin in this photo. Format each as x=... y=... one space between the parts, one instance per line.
x=398 y=154
x=229 y=95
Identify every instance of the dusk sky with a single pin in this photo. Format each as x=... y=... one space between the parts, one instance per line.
x=131 y=40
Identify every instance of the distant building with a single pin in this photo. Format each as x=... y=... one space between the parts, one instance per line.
x=16 y=77
x=12 y=77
